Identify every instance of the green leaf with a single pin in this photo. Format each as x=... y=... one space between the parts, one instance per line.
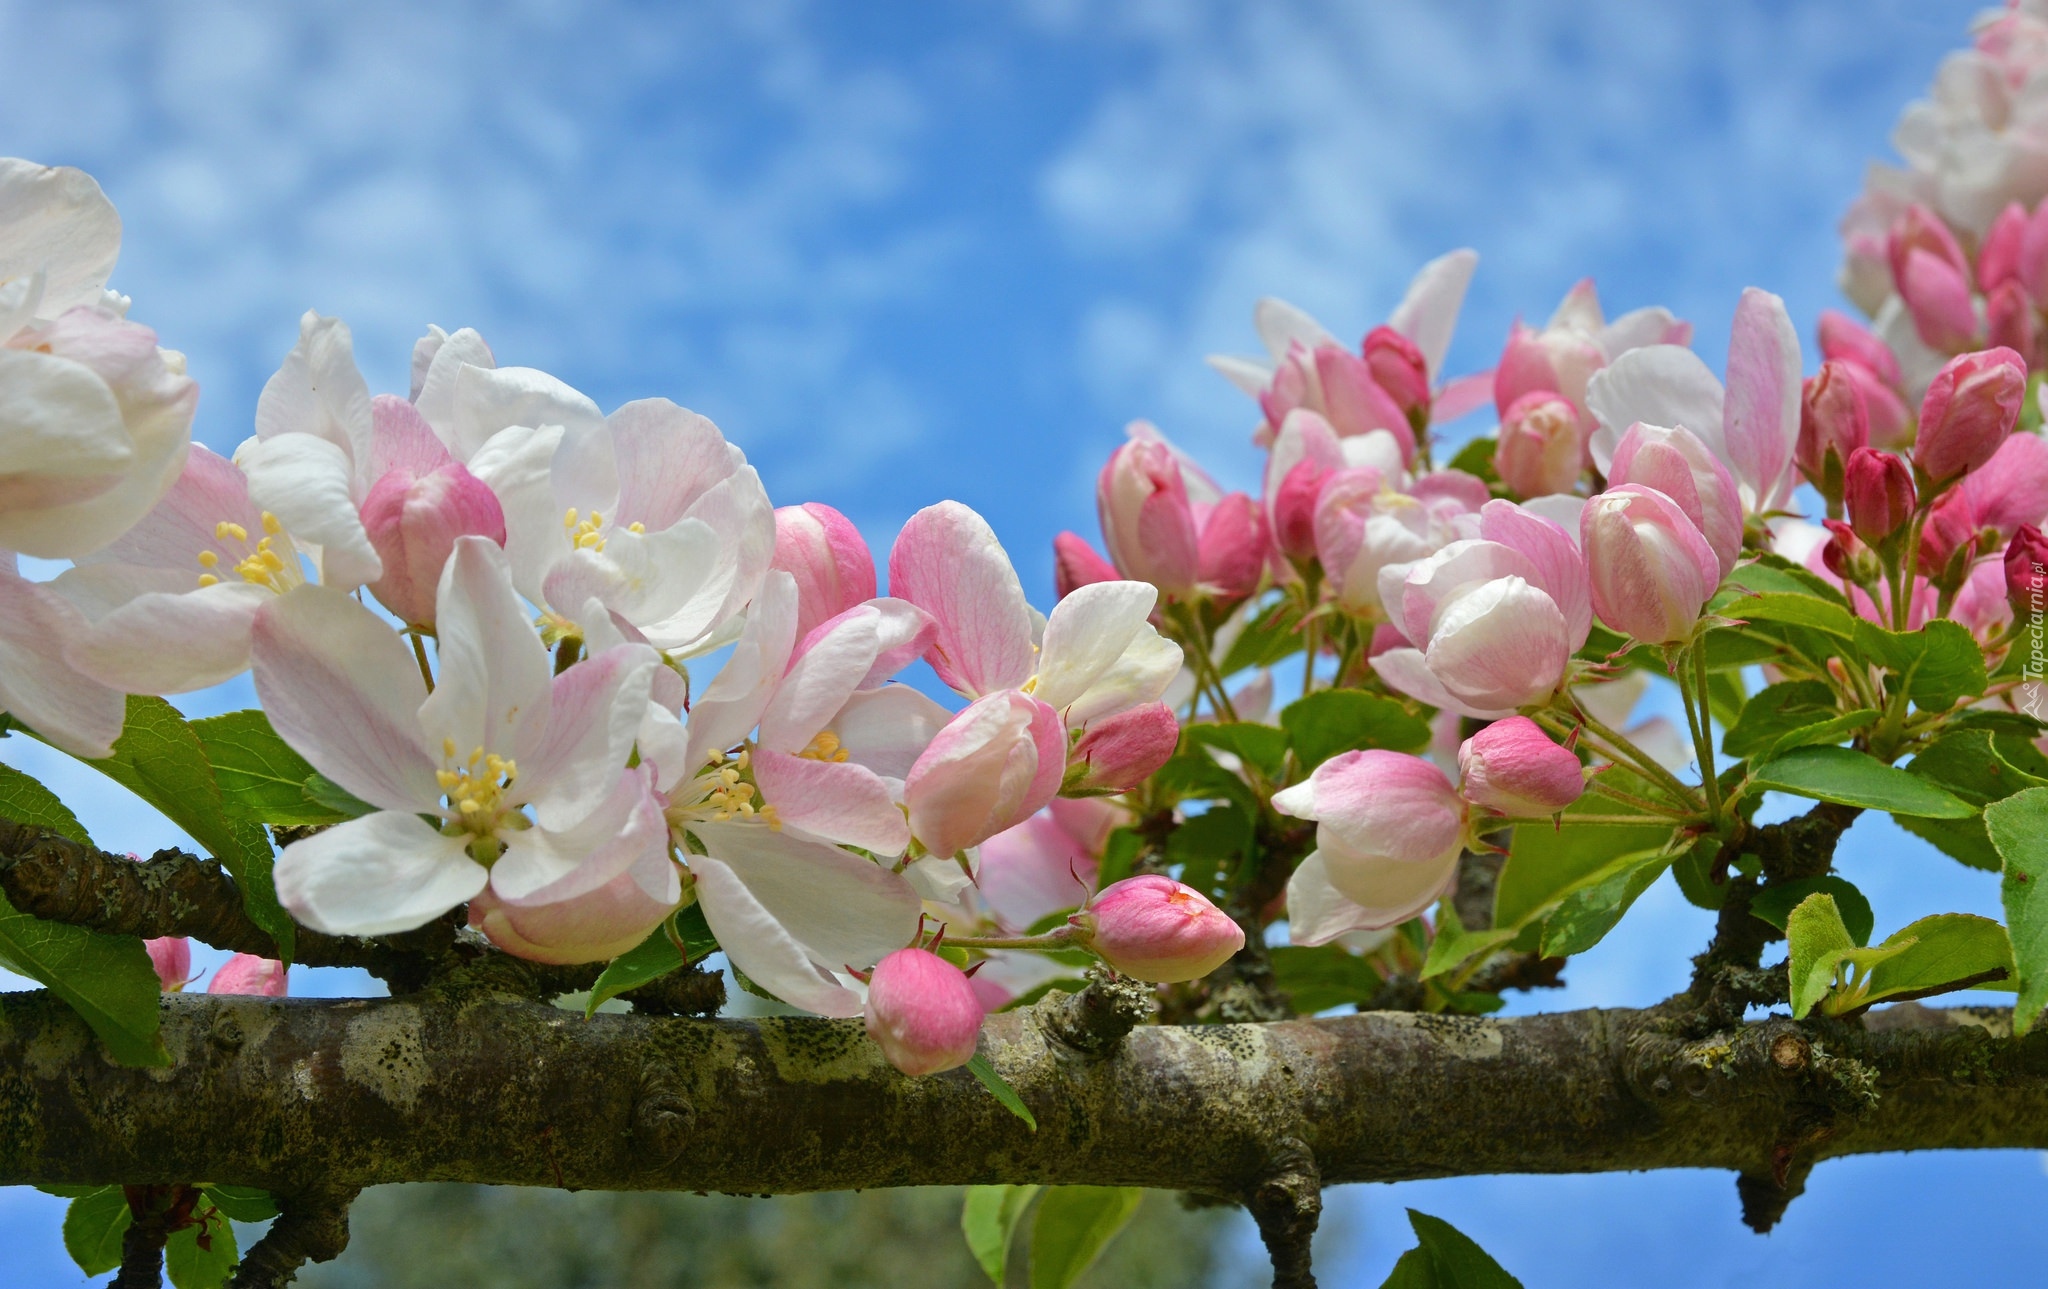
x=202 y=1255
x=1344 y=720
x=1817 y=941
x=1273 y=634
x=1775 y=575
x=1195 y=776
x=1851 y=778
x=654 y=957
x=1545 y=862
x=1209 y=845
x=1939 y=665
x=989 y=1221
x=64 y=1191
x=1962 y=840
x=258 y=772
x=1824 y=733
x=1454 y=944
x=330 y=796
x=1476 y=459
x=1323 y=977
x=1589 y=913
x=107 y=979
x=1073 y=1226
x=1774 y=903
x=1262 y=746
x=243 y=1203
x=1778 y=710
x=160 y=759
x=1937 y=954
x=93 y=1227
x=1693 y=871
x=26 y=801
x=1967 y=764
x=979 y=1067
x=2018 y=827
x=1119 y=853
x=1446 y=1258
x=1800 y=610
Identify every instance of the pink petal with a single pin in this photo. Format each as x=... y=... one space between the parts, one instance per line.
x=838 y=801
x=948 y=562
x=492 y=687
x=37 y=687
x=1760 y=420
x=594 y=713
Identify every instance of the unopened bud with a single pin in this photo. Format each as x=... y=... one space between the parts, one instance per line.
x=245 y=973
x=922 y=1012
x=413 y=521
x=825 y=553
x=1972 y=404
x=1879 y=491
x=1652 y=569
x=1845 y=555
x=1513 y=767
x=1155 y=929
x=2026 y=572
x=1075 y=565
x=1542 y=446
x=1120 y=752
x=1399 y=368
x=1833 y=422
x=171 y=955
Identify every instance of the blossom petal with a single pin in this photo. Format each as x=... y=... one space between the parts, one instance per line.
x=1761 y=416
x=343 y=690
x=546 y=866
x=489 y=399
x=1559 y=569
x=172 y=643
x=734 y=700
x=1407 y=671
x=518 y=466
x=318 y=390
x=1281 y=326
x=836 y=800
x=1658 y=385
x=1318 y=912
x=1085 y=635
x=761 y=948
x=1140 y=675
x=595 y=711
x=54 y=220
x=1428 y=314
x=37 y=686
x=306 y=482
x=887 y=729
x=492 y=689
x=948 y=562
x=386 y=872
x=209 y=490
x=445 y=355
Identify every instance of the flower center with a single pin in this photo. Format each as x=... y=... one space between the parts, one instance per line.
x=825 y=747
x=475 y=788
x=262 y=564
x=721 y=794
x=586 y=532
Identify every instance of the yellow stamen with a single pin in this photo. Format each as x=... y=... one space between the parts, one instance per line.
x=825 y=747
x=208 y=559
x=208 y=579
x=271 y=524
x=226 y=529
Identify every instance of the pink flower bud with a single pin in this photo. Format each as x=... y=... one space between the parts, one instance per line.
x=1389 y=828
x=1938 y=299
x=2026 y=572
x=1845 y=555
x=1652 y=570
x=825 y=553
x=1231 y=557
x=1676 y=463
x=1155 y=929
x=1147 y=521
x=1951 y=528
x=1075 y=565
x=1399 y=368
x=1558 y=359
x=2010 y=319
x=413 y=521
x=990 y=768
x=1123 y=750
x=1878 y=489
x=1513 y=767
x=245 y=973
x=1972 y=404
x=1833 y=421
x=1542 y=445
x=922 y=1012
x=1843 y=339
x=1998 y=259
x=1921 y=231
x=171 y=955
x=1354 y=403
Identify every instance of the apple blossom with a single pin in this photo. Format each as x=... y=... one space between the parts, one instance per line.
x=1652 y=570
x=1577 y=341
x=1513 y=767
x=1389 y=830
x=825 y=553
x=1973 y=403
x=1878 y=490
x=1120 y=752
x=1542 y=447
x=39 y=684
x=1834 y=421
x=922 y=1012
x=1676 y=463
x=1155 y=929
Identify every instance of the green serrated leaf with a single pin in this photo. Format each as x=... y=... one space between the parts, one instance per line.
x=160 y=759
x=1264 y=747
x=1851 y=778
x=1344 y=720
x=1817 y=941
x=989 y=1220
x=26 y=801
x=1273 y=634
x=243 y=1203
x=1774 y=903
x=1586 y=915
x=2018 y=828
x=979 y=1067
x=1768 y=574
x=327 y=795
x=654 y=957
x=1454 y=945
x=1074 y=1225
x=1328 y=975
x=93 y=1227
x=1446 y=1258
x=1800 y=610
x=1823 y=733
x=107 y=979
x=1778 y=710
x=1196 y=777
x=1934 y=955
x=201 y=1256
x=1940 y=664
x=258 y=772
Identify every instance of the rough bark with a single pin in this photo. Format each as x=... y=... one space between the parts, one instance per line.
x=305 y=1096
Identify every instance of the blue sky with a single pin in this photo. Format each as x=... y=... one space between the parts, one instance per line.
x=903 y=252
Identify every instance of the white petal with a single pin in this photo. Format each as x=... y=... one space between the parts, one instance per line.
x=734 y=700
x=1428 y=314
x=318 y=391
x=887 y=729
x=762 y=947
x=383 y=873
x=596 y=708
x=644 y=577
x=56 y=221
x=545 y=866
x=518 y=466
x=1141 y=675
x=1085 y=635
x=491 y=399
x=1659 y=385
x=37 y=686
x=1248 y=374
x=172 y=643
x=306 y=482
x=341 y=688
x=1282 y=325
x=493 y=685
x=434 y=388
x=1318 y=912
x=846 y=910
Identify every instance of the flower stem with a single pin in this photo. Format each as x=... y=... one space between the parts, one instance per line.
x=419 y=651
x=1057 y=938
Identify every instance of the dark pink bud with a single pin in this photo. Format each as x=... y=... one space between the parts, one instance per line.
x=1998 y=261
x=1844 y=553
x=1400 y=369
x=245 y=973
x=1972 y=404
x=1938 y=298
x=2010 y=319
x=413 y=521
x=1951 y=527
x=1075 y=565
x=1232 y=553
x=171 y=955
x=1878 y=489
x=1121 y=751
x=1155 y=929
x=1833 y=421
x=1294 y=510
x=1513 y=767
x=1147 y=521
x=1921 y=231
x=2026 y=571
x=922 y=1012
x=825 y=553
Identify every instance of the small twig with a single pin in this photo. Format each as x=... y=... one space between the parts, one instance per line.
x=311 y=1226
x=1095 y=1020
x=1287 y=1203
